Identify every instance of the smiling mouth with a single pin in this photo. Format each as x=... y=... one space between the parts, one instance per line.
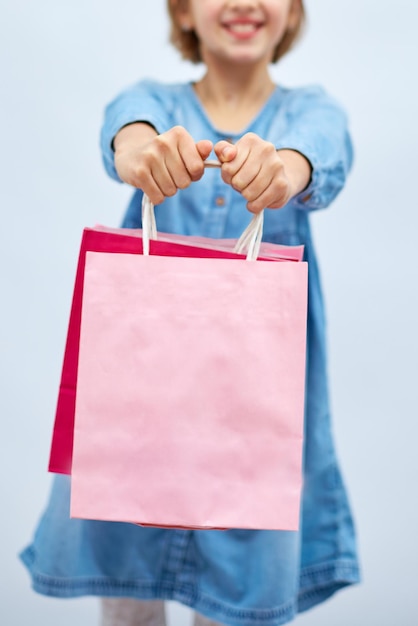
x=242 y=28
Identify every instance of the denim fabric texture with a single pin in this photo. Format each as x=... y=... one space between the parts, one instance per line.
x=236 y=577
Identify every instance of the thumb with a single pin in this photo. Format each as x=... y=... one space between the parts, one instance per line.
x=204 y=148
x=225 y=151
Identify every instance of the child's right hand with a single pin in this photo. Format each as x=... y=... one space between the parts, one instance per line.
x=159 y=164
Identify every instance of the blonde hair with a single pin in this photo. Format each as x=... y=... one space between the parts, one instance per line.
x=187 y=42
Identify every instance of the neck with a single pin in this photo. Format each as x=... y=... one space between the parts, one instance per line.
x=233 y=98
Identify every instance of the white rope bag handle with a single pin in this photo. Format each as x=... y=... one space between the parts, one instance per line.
x=248 y=243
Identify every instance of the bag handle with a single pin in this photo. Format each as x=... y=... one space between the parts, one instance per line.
x=249 y=242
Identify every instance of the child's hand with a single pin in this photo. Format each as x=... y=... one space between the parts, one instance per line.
x=266 y=177
x=159 y=164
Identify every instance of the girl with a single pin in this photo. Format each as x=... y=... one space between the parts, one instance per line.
x=286 y=150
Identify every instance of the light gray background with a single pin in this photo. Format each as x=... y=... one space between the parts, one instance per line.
x=60 y=63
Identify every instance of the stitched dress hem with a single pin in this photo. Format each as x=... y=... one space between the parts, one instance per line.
x=317 y=583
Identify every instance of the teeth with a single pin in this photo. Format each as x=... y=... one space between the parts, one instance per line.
x=242 y=27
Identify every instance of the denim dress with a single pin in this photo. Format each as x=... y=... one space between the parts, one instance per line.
x=237 y=577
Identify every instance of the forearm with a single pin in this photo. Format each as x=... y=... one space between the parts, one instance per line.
x=298 y=169
x=124 y=146
x=138 y=134
x=140 y=103
x=128 y=145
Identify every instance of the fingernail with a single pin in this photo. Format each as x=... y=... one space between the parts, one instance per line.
x=227 y=153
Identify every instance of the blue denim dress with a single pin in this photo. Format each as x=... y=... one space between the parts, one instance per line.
x=238 y=577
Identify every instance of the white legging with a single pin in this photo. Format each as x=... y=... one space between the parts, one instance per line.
x=130 y=612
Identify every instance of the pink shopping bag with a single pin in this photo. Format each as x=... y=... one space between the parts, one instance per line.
x=190 y=392
x=125 y=241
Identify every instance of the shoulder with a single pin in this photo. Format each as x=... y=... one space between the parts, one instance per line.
x=308 y=98
x=165 y=92
x=148 y=100
x=151 y=97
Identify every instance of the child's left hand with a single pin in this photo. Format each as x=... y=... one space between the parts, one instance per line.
x=266 y=177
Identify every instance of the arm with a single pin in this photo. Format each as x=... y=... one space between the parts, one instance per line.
x=305 y=162
x=142 y=102
x=141 y=148
x=317 y=127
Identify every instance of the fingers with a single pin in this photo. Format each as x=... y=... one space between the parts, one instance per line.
x=168 y=162
x=204 y=148
x=256 y=171
x=175 y=163
x=275 y=196
x=162 y=164
x=225 y=151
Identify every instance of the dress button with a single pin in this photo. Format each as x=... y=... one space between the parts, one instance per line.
x=220 y=201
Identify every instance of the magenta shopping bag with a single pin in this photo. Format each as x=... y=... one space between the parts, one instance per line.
x=190 y=392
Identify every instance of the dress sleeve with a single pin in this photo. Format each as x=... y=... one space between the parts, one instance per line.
x=317 y=127
x=143 y=102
